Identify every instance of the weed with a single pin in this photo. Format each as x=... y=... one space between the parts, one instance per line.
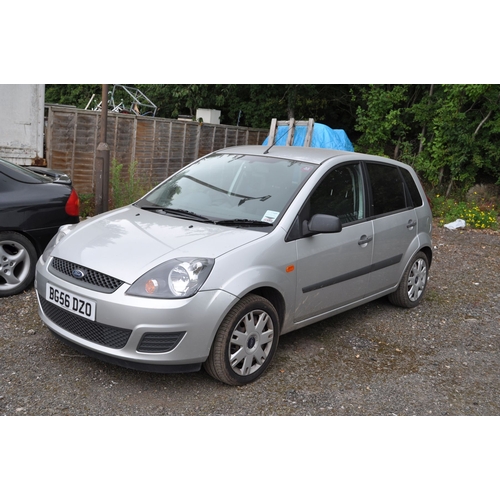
x=126 y=189
x=87 y=205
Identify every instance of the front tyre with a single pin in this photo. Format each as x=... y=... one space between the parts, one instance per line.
x=410 y=291
x=245 y=342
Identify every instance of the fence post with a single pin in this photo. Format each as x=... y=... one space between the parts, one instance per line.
x=198 y=139
x=102 y=180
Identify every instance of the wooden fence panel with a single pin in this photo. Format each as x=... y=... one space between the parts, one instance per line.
x=71 y=138
x=144 y=147
x=161 y=161
x=160 y=146
x=86 y=133
x=119 y=140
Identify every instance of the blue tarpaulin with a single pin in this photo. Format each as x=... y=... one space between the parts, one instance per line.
x=323 y=137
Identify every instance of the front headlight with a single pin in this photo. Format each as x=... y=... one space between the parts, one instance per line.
x=61 y=233
x=175 y=279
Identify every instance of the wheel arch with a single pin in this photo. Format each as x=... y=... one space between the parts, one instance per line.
x=276 y=299
x=28 y=236
x=428 y=252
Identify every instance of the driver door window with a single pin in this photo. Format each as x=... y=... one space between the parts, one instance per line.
x=340 y=193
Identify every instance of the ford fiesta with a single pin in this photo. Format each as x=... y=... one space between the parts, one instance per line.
x=244 y=245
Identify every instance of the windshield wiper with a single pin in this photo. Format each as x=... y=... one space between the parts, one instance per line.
x=148 y=207
x=243 y=222
x=178 y=212
x=243 y=197
x=250 y=198
x=201 y=218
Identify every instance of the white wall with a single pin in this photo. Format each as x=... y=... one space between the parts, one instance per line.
x=21 y=122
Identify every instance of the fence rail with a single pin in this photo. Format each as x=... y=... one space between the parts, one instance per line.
x=160 y=146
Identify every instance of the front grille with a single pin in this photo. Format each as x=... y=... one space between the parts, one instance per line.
x=159 y=342
x=98 y=333
x=91 y=279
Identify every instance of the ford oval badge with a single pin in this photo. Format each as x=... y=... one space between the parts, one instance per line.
x=78 y=274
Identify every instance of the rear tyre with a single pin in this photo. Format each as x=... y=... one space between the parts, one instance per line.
x=245 y=342
x=411 y=289
x=17 y=263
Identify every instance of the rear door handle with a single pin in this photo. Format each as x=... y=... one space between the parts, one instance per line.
x=411 y=224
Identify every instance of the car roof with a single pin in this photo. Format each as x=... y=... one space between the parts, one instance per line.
x=312 y=155
x=308 y=154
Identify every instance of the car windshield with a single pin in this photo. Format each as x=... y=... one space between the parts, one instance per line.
x=231 y=188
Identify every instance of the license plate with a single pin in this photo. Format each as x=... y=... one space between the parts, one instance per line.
x=71 y=302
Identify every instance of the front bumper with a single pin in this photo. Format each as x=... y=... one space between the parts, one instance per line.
x=157 y=335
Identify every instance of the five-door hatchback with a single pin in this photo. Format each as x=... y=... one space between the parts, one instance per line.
x=247 y=243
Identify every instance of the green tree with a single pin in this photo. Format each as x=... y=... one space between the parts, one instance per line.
x=250 y=105
x=73 y=94
x=462 y=144
x=449 y=133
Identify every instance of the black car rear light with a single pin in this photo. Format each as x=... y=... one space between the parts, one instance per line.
x=73 y=204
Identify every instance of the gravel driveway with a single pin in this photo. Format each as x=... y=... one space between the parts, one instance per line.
x=442 y=358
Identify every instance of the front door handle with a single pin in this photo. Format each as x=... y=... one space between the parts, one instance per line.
x=364 y=240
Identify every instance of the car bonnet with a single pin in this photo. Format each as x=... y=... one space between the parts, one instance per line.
x=128 y=242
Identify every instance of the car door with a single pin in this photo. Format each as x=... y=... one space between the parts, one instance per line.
x=333 y=269
x=394 y=225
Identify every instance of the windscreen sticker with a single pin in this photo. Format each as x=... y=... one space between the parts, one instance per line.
x=270 y=216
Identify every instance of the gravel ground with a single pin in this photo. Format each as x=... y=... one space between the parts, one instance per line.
x=441 y=358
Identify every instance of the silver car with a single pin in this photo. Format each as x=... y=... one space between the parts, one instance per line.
x=239 y=247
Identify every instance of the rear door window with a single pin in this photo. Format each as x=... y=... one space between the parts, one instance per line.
x=387 y=188
x=412 y=188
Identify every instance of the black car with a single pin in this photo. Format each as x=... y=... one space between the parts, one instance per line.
x=34 y=203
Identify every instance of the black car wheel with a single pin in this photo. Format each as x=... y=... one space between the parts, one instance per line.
x=17 y=263
x=245 y=343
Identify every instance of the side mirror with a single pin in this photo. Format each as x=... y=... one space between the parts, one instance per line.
x=322 y=223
